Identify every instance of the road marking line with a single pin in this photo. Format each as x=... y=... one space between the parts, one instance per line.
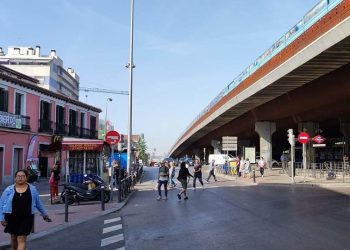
x=112 y=228
x=111 y=240
x=112 y=220
x=121 y=248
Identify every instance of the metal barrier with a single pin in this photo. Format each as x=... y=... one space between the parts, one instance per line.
x=325 y=171
x=226 y=170
x=126 y=185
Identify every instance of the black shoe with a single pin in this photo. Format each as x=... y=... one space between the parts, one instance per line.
x=186 y=198
x=179 y=196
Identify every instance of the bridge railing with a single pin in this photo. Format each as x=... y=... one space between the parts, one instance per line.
x=315 y=14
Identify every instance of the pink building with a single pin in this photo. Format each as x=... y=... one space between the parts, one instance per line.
x=40 y=127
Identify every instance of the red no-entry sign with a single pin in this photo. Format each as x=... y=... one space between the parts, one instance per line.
x=318 y=139
x=303 y=137
x=112 y=137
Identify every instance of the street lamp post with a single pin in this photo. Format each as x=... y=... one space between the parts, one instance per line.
x=130 y=66
x=108 y=100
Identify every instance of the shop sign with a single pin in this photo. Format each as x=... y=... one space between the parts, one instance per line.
x=10 y=120
x=56 y=143
x=82 y=147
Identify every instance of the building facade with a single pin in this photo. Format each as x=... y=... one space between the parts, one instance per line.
x=40 y=127
x=48 y=69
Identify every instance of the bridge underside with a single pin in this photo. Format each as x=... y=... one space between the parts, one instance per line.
x=317 y=91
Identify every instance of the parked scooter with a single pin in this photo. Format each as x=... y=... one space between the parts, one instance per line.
x=89 y=190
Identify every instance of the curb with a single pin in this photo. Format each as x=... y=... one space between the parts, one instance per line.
x=4 y=245
x=297 y=184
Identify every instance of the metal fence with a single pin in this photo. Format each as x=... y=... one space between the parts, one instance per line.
x=126 y=185
x=324 y=172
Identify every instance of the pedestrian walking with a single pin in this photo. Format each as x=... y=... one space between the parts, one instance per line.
x=17 y=207
x=211 y=170
x=172 y=172
x=225 y=167
x=262 y=166
x=53 y=181
x=241 y=167
x=247 y=168
x=197 y=174
x=182 y=178
x=163 y=177
x=238 y=164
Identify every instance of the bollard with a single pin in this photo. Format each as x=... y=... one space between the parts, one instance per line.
x=119 y=189
x=103 y=198
x=66 y=206
x=254 y=175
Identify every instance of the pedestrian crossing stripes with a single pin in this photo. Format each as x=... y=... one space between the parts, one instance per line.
x=112 y=239
x=112 y=220
x=112 y=228
x=113 y=236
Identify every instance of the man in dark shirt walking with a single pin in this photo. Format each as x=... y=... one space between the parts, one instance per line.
x=197 y=173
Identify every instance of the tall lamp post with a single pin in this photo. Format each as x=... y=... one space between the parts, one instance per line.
x=130 y=66
x=108 y=100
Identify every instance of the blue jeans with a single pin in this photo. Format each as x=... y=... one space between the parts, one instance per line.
x=172 y=181
x=165 y=183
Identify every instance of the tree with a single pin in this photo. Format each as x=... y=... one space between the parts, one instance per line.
x=142 y=150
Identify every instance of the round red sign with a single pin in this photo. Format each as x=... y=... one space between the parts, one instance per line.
x=303 y=137
x=112 y=137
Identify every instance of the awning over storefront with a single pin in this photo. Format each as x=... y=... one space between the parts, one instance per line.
x=76 y=144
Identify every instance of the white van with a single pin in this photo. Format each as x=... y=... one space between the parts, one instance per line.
x=220 y=159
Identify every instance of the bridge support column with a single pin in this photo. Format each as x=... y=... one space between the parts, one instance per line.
x=197 y=153
x=265 y=131
x=345 y=129
x=311 y=128
x=217 y=146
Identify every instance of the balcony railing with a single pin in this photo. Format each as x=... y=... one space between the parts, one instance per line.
x=45 y=126
x=93 y=134
x=61 y=129
x=84 y=133
x=73 y=131
x=12 y=121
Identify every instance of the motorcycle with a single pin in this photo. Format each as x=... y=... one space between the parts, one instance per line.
x=89 y=190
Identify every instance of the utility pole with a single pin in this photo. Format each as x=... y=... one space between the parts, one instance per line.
x=130 y=66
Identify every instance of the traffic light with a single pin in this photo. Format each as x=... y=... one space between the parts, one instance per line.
x=291 y=138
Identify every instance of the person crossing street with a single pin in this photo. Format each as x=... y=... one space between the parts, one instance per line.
x=211 y=170
x=197 y=174
x=163 y=178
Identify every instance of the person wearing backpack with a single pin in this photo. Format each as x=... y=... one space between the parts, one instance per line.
x=172 y=172
x=53 y=181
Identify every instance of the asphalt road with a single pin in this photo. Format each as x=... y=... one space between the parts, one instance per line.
x=226 y=216
x=222 y=215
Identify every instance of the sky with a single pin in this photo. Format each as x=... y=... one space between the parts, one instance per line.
x=185 y=51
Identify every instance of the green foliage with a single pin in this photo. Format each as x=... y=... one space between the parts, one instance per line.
x=142 y=150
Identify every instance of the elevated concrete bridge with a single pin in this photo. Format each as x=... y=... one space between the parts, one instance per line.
x=301 y=82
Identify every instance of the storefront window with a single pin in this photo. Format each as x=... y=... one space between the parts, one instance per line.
x=92 y=162
x=76 y=162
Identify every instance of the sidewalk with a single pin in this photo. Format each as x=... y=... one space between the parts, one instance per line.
x=275 y=177
x=76 y=214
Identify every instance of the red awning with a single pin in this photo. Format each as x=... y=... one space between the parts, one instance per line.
x=75 y=144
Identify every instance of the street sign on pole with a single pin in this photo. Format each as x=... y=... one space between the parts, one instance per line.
x=319 y=139
x=303 y=137
x=229 y=143
x=112 y=137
